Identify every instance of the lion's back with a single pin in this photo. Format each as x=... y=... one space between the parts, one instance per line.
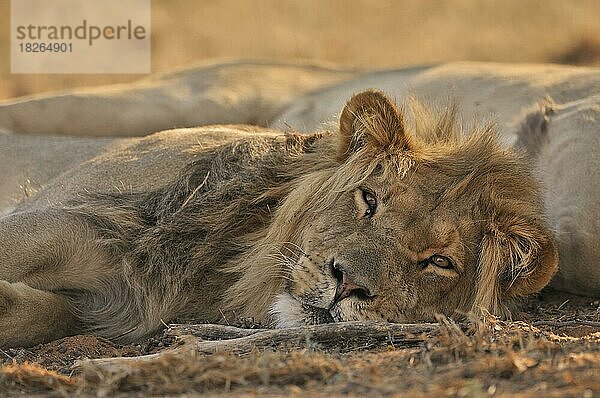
x=121 y=165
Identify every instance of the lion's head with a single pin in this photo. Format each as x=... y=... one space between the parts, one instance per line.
x=400 y=225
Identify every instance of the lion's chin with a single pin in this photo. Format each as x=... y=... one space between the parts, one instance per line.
x=289 y=312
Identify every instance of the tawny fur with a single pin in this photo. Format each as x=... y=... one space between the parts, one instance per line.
x=249 y=228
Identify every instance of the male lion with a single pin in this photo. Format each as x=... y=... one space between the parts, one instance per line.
x=377 y=222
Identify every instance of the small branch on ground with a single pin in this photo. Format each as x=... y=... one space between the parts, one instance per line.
x=348 y=336
x=560 y=324
x=210 y=331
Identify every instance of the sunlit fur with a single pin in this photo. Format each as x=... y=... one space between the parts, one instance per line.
x=512 y=251
x=251 y=228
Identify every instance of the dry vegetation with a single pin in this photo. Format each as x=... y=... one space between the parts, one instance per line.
x=364 y=33
x=553 y=349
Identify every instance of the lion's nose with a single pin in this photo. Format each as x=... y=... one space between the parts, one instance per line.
x=346 y=287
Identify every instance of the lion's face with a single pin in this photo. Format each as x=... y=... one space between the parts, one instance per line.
x=411 y=237
x=384 y=251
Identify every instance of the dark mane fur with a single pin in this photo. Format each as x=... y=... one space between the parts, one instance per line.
x=205 y=247
x=211 y=213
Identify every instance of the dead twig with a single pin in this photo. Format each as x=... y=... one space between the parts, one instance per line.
x=559 y=324
x=344 y=336
x=210 y=331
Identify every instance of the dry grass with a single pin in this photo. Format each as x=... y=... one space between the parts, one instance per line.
x=28 y=378
x=505 y=358
x=221 y=372
x=498 y=358
x=366 y=33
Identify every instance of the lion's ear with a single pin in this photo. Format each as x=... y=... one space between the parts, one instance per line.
x=533 y=261
x=371 y=119
x=517 y=258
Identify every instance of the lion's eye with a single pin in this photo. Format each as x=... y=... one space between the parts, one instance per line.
x=440 y=261
x=371 y=202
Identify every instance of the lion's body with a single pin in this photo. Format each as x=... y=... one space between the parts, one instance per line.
x=48 y=170
x=302 y=97
x=213 y=223
x=250 y=92
x=52 y=240
x=565 y=146
x=306 y=97
x=488 y=91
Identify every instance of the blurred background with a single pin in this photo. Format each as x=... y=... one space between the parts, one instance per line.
x=358 y=33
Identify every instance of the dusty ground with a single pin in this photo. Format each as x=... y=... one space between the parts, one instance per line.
x=553 y=349
x=363 y=33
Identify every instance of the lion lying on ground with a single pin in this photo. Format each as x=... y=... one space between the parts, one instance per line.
x=562 y=139
x=377 y=222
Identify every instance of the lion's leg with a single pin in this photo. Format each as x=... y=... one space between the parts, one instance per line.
x=51 y=250
x=42 y=254
x=30 y=316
